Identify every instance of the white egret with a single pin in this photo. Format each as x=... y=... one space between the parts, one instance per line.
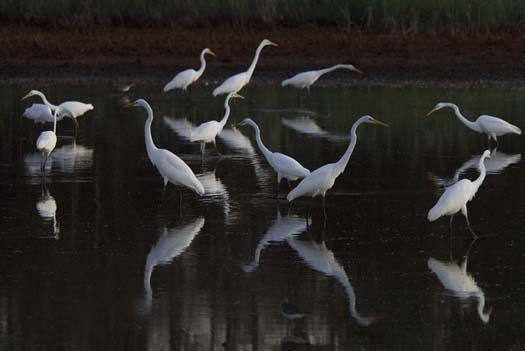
x=456 y=196
x=183 y=79
x=307 y=79
x=47 y=141
x=171 y=168
x=207 y=131
x=46 y=207
x=457 y=280
x=493 y=127
x=323 y=178
x=306 y=125
x=237 y=82
x=40 y=113
x=285 y=166
x=75 y=108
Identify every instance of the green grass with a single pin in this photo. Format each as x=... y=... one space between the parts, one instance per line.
x=375 y=15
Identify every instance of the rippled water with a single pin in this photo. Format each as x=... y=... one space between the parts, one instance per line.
x=99 y=257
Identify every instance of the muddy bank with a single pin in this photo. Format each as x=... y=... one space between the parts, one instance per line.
x=154 y=55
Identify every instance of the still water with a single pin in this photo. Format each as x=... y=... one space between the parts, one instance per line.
x=97 y=257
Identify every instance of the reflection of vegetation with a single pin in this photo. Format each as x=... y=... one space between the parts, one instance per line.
x=390 y=15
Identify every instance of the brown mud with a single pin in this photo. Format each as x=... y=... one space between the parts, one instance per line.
x=153 y=54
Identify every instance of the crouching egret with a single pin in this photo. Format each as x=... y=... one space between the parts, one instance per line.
x=456 y=196
x=171 y=168
x=75 y=108
x=493 y=127
x=183 y=79
x=207 y=131
x=323 y=178
x=237 y=82
x=285 y=166
x=47 y=140
x=307 y=79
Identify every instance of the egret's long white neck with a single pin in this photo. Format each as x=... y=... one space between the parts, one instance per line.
x=203 y=64
x=481 y=308
x=250 y=70
x=470 y=124
x=341 y=164
x=226 y=112
x=333 y=68
x=55 y=121
x=44 y=99
x=150 y=145
x=482 y=172
x=267 y=153
x=350 y=293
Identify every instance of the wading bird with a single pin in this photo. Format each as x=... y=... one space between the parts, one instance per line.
x=237 y=82
x=183 y=79
x=323 y=178
x=285 y=166
x=47 y=141
x=75 y=108
x=493 y=127
x=307 y=79
x=207 y=131
x=171 y=168
x=39 y=113
x=456 y=196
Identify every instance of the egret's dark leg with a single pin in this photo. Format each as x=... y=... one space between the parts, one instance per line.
x=203 y=145
x=324 y=207
x=289 y=184
x=277 y=187
x=450 y=223
x=465 y=213
x=216 y=148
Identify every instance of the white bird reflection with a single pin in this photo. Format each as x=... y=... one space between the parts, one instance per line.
x=46 y=207
x=215 y=190
x=496 y=164
x=281 y=228
x=319 y=257
x=460 y=283
x=306 y=125
x=171 y=244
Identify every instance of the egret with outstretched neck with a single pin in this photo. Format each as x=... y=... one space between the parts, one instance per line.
x=492 y=126
x=207 y=131
x=323 y=178
x=285 y=166
x=171 y=168
x=307 y=79
x=456 y=196
x=183 y=79
x=47 y=141
x=237 y=82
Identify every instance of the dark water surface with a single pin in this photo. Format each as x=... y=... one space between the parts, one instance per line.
x=98 y=259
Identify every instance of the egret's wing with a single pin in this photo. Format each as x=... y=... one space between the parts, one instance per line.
x=452 y=277
x=496 y=125
x=288 y=166
x=181 y=127
x=234 y=83
x=181 y=79
x=205 y=131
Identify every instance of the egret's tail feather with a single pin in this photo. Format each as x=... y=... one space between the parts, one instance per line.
x=434 y=214
x=292 y=195
x=169 y=86
x=285 y=82
x=516 y=130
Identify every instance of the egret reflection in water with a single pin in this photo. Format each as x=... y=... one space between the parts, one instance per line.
x=215 y=190
x=319 y=257
x=170 y=244
x=460 y=283
x=306 y=125
x=281 y=228
x=46 y=207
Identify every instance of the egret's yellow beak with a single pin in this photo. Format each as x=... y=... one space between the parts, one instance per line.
x=375 y=121
x=432 y=111
x=238 y=96
x=357 y=70
x=273 y=44
x=212 y=53
x=25 y=97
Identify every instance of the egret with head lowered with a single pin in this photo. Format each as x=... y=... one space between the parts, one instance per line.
x=323 y=178
x=237 y=82
x=493 y=127
x=183 y=79
x=207 y=131
x=307 y=79
x=171 y=168
x=456 y=196
x=285 y=166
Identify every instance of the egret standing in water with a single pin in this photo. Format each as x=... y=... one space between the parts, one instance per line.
x=171 y=168
x=237 y=82
x=323 y=178
x=493 y=127
x=207 y=132
x=456 y=196
x=285 y=166
x=307 y=79
x=47 y=141
x=75 y=108
x=39 y=113
x=183 y=79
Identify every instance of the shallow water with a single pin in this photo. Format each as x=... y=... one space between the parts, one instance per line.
x=99 y=258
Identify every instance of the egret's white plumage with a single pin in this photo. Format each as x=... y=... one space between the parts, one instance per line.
x=456 y=196
x=237 y=82
x=171 y=168
x=183 y=79
x=493 y=127
x=323 y=178
x=307 y=79
x=40 y=113
x=285 y=166
x=207 y=131
x=306 y=125
x=46 y=142
x=74 y=109
x=46 y=207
